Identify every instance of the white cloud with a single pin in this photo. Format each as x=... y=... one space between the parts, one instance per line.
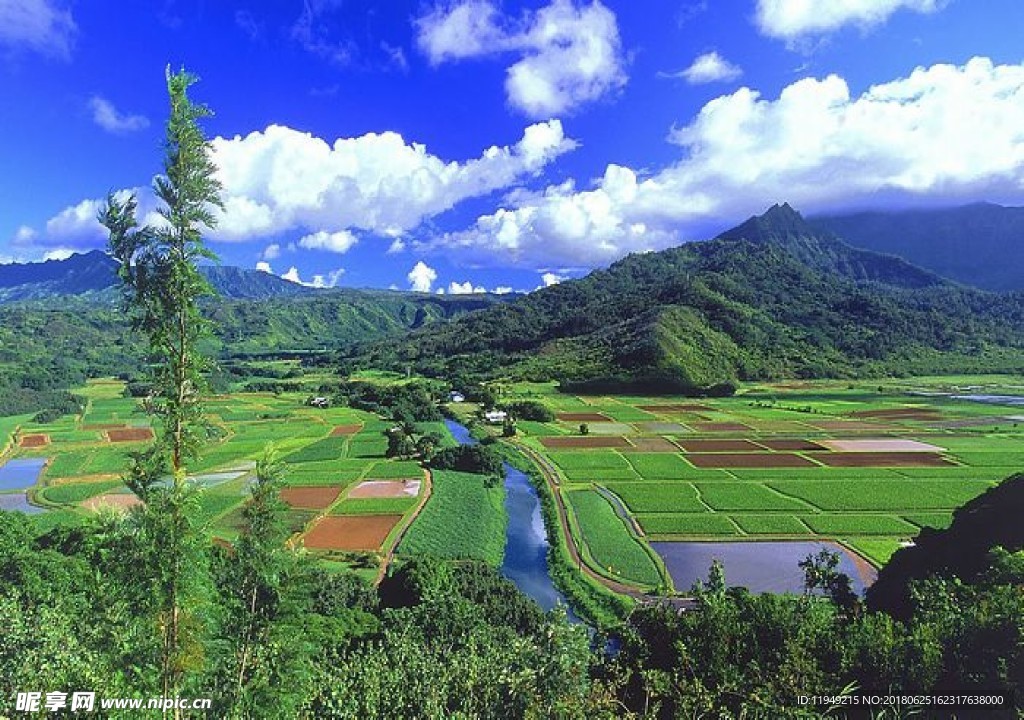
x=110 y=119
x=280 y=180
x=264 y=266
x=568 y=55
x=397 y=245
x=42 y=26
x=502 y=290
x=943 y=134
x=550 y=278
x=271 y=251
x=327 y=280
x=421 y=277
x=464 y=288
x=336 y=242
x=708 y=68
x=293 y=275
x=792 y=20
x=59 y=254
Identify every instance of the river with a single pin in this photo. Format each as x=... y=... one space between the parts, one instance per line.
x=526 y=539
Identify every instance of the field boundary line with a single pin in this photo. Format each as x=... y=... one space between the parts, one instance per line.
x=404 y=525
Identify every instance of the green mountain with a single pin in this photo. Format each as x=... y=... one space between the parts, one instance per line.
x=93 y=276
x=771 y=298
x=980 y=245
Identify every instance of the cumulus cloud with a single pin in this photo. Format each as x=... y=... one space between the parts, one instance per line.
x=281 y=179
x=321 y=281
x=465 y=288
x=568 y=55
x=708 y=68
x=112 y=120
x=336 y=242
x=943 y=134
x=421 y=277
x=792 y=20
x=272 y=251
x=550 y=278
x=42 y=26
x=263 y=266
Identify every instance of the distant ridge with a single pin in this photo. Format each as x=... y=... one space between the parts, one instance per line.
x=93 y=275
x=980 y=244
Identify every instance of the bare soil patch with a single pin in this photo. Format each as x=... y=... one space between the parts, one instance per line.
x=351 y=532
x=654 y=445
x=882 y=459
x=900 y=413
x=673 y=408
x=708 y=446
x=882 y=445
x=310 y=498
x=747 y=460
x=584 y=442
x=34 y=441
x=386 y=489
x=119 y=501
x=130 y=435
x=344 y=430
x=721 y=427
x=582 y=417
x=790 y=445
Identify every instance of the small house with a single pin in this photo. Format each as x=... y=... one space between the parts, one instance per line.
x=456 y=397
x=495 y=417
x=320 y=402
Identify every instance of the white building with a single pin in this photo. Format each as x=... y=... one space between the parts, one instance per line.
x=495 y=416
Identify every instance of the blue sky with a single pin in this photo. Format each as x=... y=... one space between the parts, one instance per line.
x=471 y=145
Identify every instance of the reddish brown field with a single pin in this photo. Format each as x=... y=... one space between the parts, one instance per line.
x=849 y=425
x=385 y=489
x=130 y=435
x=900 y=414
x=707 y=446
x=120 y=501
x=582 y=417
x=673 y=408
x=310 y=498
x=878 y=459
x=34 y=441
x=340 y=430
x=748 y=460
x=720 y=427
x=351 y=532
x=790 y=445
x=654 y=445
x=584 y=442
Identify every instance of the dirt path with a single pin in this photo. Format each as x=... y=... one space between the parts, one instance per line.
x=428 y=483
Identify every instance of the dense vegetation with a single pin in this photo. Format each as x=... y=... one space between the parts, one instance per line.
x=772 y=298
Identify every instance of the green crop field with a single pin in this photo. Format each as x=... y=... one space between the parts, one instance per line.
x=77 y=492
x=395 y=470
x=850 y=524
x=375 y=506
x=661 y=466
x=658 y=497
x=745 y=496
x=462 y=519
x=770 y=524
x=594 y=465
x=331 y=448
x=697 y=524
x=882 y=494
x=609 y=541
x=937 y=520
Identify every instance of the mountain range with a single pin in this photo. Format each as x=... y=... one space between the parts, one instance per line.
x=774 y=297
x=980 y=244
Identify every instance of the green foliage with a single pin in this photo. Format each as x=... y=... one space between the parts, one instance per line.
x=478 y=459
x=529 y=410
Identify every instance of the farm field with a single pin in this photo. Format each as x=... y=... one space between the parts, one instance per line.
x=865 y=464
x=326 y=453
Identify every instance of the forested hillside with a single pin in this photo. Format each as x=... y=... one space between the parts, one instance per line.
x=772 y=298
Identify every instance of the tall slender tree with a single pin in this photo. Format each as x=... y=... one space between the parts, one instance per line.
x=162 y=287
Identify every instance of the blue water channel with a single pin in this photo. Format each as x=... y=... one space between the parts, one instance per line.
x=526 y=539
x=21 y=473
x=767 y=566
